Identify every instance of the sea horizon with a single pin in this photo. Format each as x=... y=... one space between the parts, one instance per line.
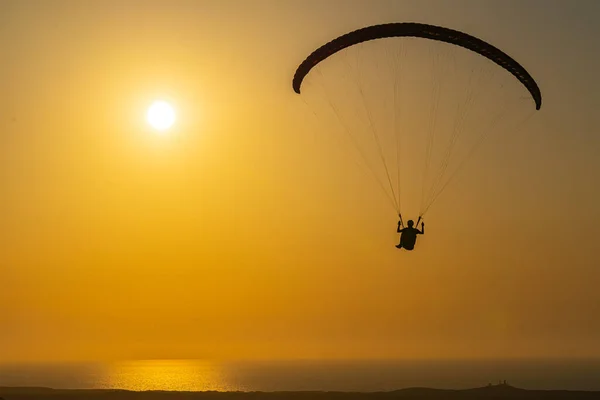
x=304 y=375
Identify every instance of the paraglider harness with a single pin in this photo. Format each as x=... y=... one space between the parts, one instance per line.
x=404 y=244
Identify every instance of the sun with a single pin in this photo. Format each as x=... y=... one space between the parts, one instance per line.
x=160 y=115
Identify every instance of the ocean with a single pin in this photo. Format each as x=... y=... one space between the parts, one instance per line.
x=364 y=376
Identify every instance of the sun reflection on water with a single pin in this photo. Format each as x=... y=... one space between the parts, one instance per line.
x=181 y=375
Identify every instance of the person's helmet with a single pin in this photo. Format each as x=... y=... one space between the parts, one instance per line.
x=410 y=223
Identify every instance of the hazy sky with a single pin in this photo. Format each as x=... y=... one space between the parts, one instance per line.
x=243 y=233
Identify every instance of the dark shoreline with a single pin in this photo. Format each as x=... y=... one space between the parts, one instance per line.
x=501 y=391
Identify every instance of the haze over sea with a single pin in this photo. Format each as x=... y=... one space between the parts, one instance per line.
x=365 y=376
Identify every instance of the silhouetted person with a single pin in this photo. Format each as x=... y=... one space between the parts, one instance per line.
x=408 y=236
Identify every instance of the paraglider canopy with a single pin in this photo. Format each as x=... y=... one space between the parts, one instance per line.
x=412 y=29
x=413 y=99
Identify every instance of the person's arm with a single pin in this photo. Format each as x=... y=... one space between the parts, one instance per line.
x=399 y=224
x=422 y=231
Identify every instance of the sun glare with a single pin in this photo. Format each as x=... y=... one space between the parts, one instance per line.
x=161 y=115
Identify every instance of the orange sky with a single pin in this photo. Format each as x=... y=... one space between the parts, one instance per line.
x=246 y=234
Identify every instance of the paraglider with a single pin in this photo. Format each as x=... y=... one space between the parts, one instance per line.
x=408 y=235
x=373 y=86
